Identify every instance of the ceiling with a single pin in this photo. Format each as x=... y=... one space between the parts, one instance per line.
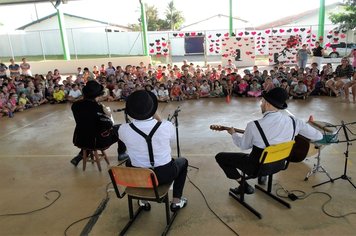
x=14 y=2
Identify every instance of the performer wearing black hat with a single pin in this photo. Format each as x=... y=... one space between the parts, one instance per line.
x=148 y=139
x=94 y=128
x=273 y=128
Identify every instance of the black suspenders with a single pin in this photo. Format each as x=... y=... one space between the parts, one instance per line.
x=148 y=139
x=263 y=134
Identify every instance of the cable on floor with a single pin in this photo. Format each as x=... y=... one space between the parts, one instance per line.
x=94 y=215
x=301 y=195
x=46 y=195
x=212 y=211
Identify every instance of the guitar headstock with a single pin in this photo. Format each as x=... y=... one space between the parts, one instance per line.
x=217 y=127
x=222 y=128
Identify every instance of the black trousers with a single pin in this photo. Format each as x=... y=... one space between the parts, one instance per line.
x=121 y=147
x=230 y=162
x=176 y=171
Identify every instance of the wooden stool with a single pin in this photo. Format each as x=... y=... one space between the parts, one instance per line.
x=95 y=158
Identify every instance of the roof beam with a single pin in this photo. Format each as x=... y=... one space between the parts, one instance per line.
x=18 y=2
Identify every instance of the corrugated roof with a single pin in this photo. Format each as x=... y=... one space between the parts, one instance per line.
x=70 y=15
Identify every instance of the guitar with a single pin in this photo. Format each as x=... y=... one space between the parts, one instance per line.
x=298 y=153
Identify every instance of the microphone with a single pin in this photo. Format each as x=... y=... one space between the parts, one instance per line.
x=119 y=110
x=176 y=111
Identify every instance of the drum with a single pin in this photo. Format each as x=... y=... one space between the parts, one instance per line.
x=330 y=132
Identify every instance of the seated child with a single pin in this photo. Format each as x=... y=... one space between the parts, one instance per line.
x=176 y=92
x=24 y=102
x=191 y=92
x=299 y=91
x=255 y=89
x=162 y=94
x=58 y=95
x=74 y=94
x=243 y=88
x=204 y=89
x=217 y=90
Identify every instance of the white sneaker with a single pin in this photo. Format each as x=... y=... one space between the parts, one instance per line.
x=182 y=203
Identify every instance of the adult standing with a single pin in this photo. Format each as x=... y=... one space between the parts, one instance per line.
x=94 y=128
x=25 y=67
x=110 y=70
x=302 y=56
x=318 y=53
x=148 y=139
x=353 y=55
x=14 y=69
x=3 y=69
x=273 y=128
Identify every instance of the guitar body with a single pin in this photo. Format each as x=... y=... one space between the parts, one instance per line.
x=300 y=149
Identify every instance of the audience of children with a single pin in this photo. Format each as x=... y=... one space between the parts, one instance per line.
x=170 y=83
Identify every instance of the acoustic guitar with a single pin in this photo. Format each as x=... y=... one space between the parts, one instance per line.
x=298 y=153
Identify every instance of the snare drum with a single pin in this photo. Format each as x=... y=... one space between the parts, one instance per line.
x=330 y=134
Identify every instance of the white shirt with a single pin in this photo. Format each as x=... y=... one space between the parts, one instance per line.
x=277 y=127
x=137 y=146
x=117 y=93
x=162 y=93
x=75 y=94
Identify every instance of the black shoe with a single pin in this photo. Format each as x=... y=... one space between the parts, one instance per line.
x=123 y=156
x=75 y=161
x=182 y=203
x=262 y=180
x=248 y=189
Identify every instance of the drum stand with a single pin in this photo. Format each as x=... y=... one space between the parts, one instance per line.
x=317 y=167
x=346 y=153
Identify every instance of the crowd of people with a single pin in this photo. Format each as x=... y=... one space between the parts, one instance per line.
x=20 y=90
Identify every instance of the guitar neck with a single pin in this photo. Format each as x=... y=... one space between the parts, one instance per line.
x=222 y=128
x=241 y=131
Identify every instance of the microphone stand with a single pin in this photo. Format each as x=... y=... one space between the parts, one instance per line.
x=346 y=153
x=175 y=117
x=127 y=120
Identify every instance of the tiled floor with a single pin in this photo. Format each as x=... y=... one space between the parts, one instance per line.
x=36 y=147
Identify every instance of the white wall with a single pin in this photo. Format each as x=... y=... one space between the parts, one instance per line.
x=70 y=67
x=87 y=42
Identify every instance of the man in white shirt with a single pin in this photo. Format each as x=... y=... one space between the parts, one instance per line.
x=147 y=140
x=275 y=126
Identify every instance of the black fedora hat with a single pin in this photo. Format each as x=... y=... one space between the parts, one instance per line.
x=92 y=89
x=277 y=97
x=141 y=105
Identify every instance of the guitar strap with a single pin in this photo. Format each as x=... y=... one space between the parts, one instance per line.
x=148 y=139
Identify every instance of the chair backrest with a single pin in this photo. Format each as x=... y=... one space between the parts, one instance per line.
x=276 y=152
x=134 y=177
x=275 y=158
